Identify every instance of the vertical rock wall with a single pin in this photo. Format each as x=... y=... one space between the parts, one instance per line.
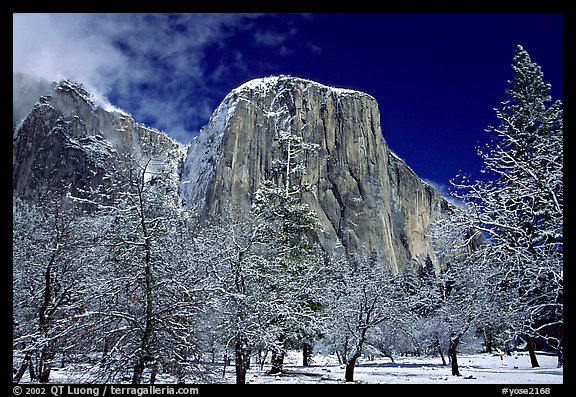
x=367 y=199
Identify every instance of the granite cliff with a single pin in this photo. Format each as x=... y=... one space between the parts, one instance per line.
x=366 y=197
x=69 y=143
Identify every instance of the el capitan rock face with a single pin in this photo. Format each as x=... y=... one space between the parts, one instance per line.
x=367 y=199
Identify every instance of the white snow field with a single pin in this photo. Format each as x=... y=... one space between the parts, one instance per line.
x=475 y=369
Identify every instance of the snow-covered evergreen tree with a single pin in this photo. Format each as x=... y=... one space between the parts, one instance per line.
x=288 y=228
x=519 y=206
x=288 y=220
x=266 y=267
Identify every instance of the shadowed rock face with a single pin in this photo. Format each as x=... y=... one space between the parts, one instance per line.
x=69 y=144
x=366 y=197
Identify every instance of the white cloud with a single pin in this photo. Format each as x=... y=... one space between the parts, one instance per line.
x=54 y=46
x=117 y=55
x=270 y=38
x=276 y=39
x=170 y=70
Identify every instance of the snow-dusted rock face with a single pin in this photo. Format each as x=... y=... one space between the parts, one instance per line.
x=367 y=198
x=68 y=143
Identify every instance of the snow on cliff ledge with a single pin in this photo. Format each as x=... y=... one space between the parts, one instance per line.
x=270 y=83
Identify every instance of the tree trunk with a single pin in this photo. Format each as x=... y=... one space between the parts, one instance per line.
x=277 y=362
x=278 y=356
x=345 y=350
x=248 y=356
x=226 y=362
x=138 y=370
x=452 y=354
x=148 y=287
x=45 y=364
x=488 y=339
x=144 y=354
x=387 y=353
x=560 y=357
x=561 y=349
x=306 y=353
x=340 y=361
x=26 y=364
x=262 y=358
x=531 y=352
x=154 y=373
x=44 y=375
x=350 y=366
x=240 y=360
x=439 y=347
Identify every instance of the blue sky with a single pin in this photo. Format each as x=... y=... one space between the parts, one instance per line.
x=436 y=76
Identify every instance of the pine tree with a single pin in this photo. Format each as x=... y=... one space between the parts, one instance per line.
x=265 y=264
x=289 y=226
x=288 y=220
x=519 y=206
x=526 y=156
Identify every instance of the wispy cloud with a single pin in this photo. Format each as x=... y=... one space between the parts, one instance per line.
x=56 y=46
x=274 y=38
x=154 y=65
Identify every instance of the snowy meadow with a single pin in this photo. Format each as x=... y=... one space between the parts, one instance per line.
x=475 y=368
x=480 y=368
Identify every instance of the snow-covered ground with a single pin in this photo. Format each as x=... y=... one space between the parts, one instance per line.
x=476 y=368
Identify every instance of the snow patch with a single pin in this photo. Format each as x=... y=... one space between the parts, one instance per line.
x=264 y=85
x=475 y=369
x=96 y=148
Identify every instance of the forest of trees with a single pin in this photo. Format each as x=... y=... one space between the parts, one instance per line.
x=135 y=286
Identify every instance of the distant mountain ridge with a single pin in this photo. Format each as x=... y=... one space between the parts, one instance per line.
x=367 y=198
